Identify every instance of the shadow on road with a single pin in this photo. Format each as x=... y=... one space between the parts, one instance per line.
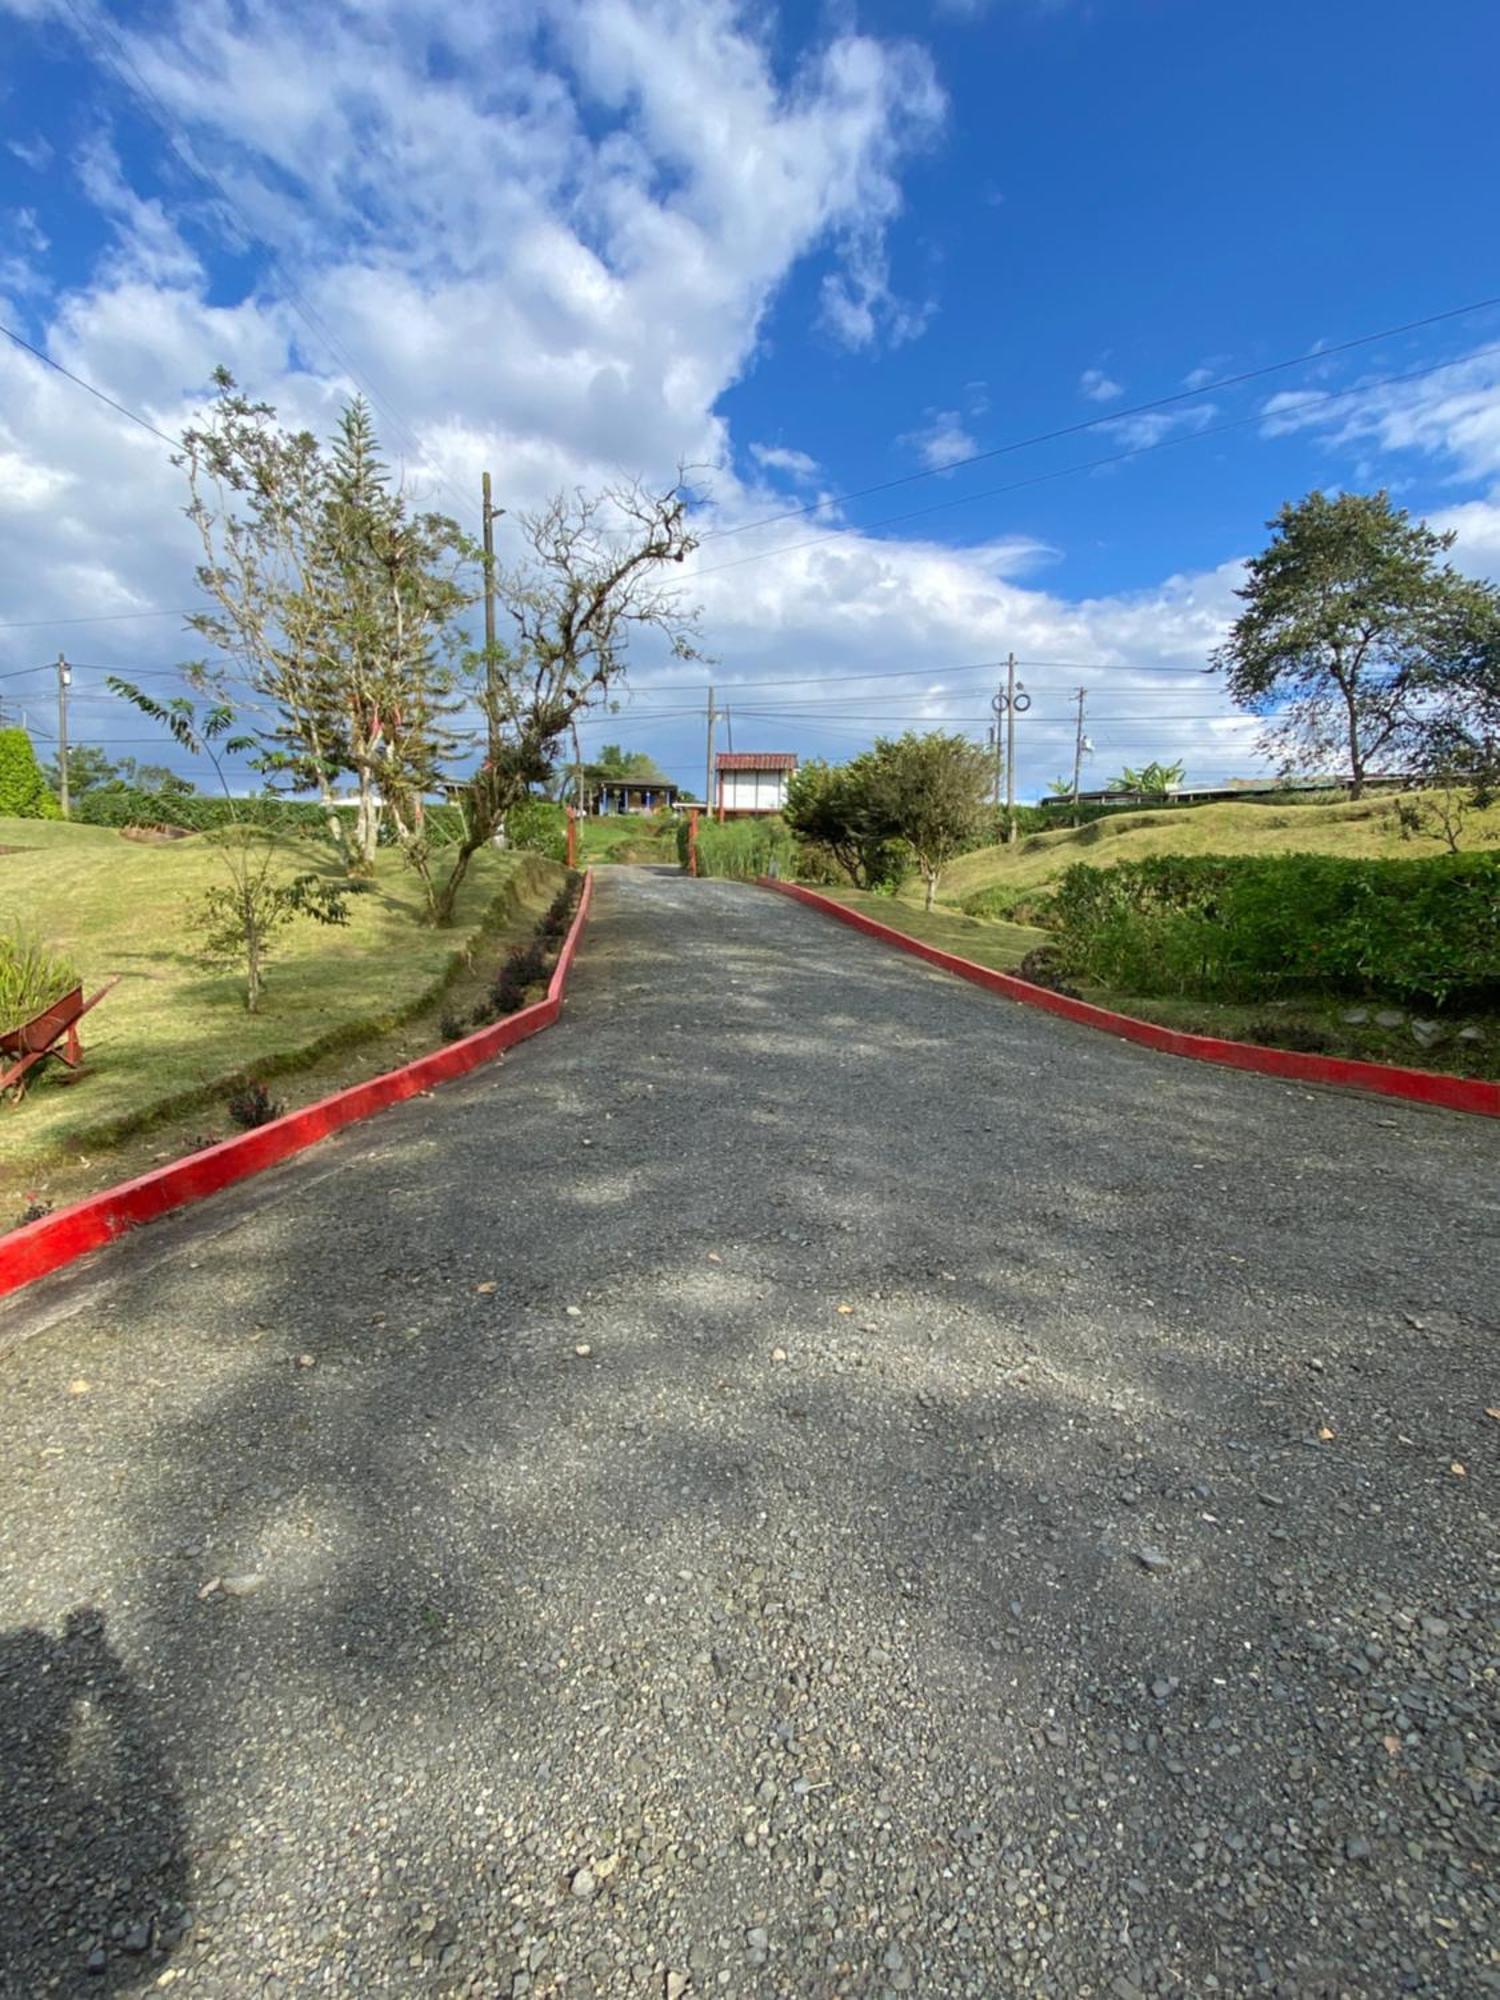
x=91 y=1852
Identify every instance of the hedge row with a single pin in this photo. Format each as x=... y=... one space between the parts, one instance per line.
x=197 y=812
x=1232 y=927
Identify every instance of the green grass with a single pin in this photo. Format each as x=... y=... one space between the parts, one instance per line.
x=173 y=1034
x=1002 y=946
x=1368 y=827
x=627 y=837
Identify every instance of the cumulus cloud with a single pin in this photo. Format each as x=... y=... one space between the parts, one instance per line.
x=798 y=465
x=1099 y=387
x=941 y=440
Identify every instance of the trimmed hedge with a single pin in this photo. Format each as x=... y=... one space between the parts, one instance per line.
x=1234 y=926
x=197 y=812
x=23 y=789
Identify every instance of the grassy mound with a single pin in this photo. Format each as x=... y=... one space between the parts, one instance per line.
x=985 y=881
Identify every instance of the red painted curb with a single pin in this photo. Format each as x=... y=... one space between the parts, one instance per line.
x=30 y=1253
x=1420 y=1086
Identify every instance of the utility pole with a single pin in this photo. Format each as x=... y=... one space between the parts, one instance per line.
x=1078 y=748
x=64 y=680
x=1010 y=747
x=708 y=779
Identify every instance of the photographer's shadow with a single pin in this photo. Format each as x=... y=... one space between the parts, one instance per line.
x=91 y=1856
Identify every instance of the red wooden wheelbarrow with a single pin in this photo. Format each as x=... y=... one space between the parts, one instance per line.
x=53 y=1032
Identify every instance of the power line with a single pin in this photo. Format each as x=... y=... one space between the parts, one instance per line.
x=94 y=618
x=1314 y=397
x=1114 y=417
x=134 y=415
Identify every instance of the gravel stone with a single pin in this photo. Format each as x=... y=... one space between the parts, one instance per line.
x=860 y=1652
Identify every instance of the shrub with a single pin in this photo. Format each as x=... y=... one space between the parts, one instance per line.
x=538 y=826
x=253 y=1105
x=31 y=977
x=23 y=789
x=525 y=966
x=742 y=849
x=1233 y=926
x=126 y=805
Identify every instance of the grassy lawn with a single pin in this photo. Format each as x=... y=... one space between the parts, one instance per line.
x=1002 y=946
x=173 y=1037
x=1367 y=828
x=624 y=837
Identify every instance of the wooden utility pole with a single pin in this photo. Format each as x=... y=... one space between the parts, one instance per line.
x=708 y=778
x=64 y=678
x=1010 y=746
x=1078 y=747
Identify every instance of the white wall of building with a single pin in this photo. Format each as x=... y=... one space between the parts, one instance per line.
x=754 y=791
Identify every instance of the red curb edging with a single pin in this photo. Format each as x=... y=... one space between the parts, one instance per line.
x=1419 y=1086
x=31 y=1252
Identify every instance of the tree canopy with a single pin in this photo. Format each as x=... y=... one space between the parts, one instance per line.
x=1356 y=637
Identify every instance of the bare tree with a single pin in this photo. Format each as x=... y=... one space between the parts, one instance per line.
x=591 y=582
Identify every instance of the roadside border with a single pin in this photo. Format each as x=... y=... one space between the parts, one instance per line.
x=1418 y=1086
x=40 y=1247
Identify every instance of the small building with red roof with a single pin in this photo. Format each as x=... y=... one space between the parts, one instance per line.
x=751 y=781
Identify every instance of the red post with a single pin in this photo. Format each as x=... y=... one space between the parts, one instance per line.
x=692 y=840
x=572 y=838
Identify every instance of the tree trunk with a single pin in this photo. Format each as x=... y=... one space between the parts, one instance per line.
x=366 y=825
x=931 y=877
x=445 y=899
x=1356 y=766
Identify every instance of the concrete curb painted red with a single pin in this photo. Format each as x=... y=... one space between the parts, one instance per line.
x=31 y=1252
x=1419 y=1086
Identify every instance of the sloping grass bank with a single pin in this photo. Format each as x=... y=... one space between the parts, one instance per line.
x=173 y=1038
x=986 y=881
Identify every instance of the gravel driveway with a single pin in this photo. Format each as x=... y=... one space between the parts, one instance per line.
x=809 y=1479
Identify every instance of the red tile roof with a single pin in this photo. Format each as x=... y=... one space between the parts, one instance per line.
x=756 y=760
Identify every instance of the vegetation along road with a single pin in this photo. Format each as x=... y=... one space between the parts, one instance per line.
x=807 y=1480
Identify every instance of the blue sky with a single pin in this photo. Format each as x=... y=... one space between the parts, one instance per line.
x=809 y=250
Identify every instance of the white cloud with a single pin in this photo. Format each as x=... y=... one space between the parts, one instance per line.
x=1098 y=387
x=1153 y=427
x=35 y=152
x=781 y=458
x=1453 y=416
x=941 y=440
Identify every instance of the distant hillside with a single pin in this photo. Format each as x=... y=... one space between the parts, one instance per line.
x=1366 y=827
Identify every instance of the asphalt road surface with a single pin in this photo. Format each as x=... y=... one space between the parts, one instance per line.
x=807 y=1479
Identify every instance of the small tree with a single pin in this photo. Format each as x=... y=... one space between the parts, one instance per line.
x=1350 y=623
x=929 y=791
x=1152 y=781
x=830 y=806
x=589 y=584
x=337 y=602
x=240 y=918
x=23 y=789
x=89 y=770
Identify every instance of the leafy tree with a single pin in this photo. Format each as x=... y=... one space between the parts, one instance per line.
x=1154 y=780
x=830 y=806
x=1350 y=630
x=337 y=603
x=23 y=789
x=240 y=918
x=931 y=792
x=89 y=769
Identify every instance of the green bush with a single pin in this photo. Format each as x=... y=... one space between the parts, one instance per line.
x=742 y=848
x=31 y=977
x=195 y=812
x=538 y=826
x=1234 y=926
x=23 y=789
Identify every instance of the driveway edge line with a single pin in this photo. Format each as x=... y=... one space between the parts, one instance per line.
x=1417 y=1086
x=38 y=1248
